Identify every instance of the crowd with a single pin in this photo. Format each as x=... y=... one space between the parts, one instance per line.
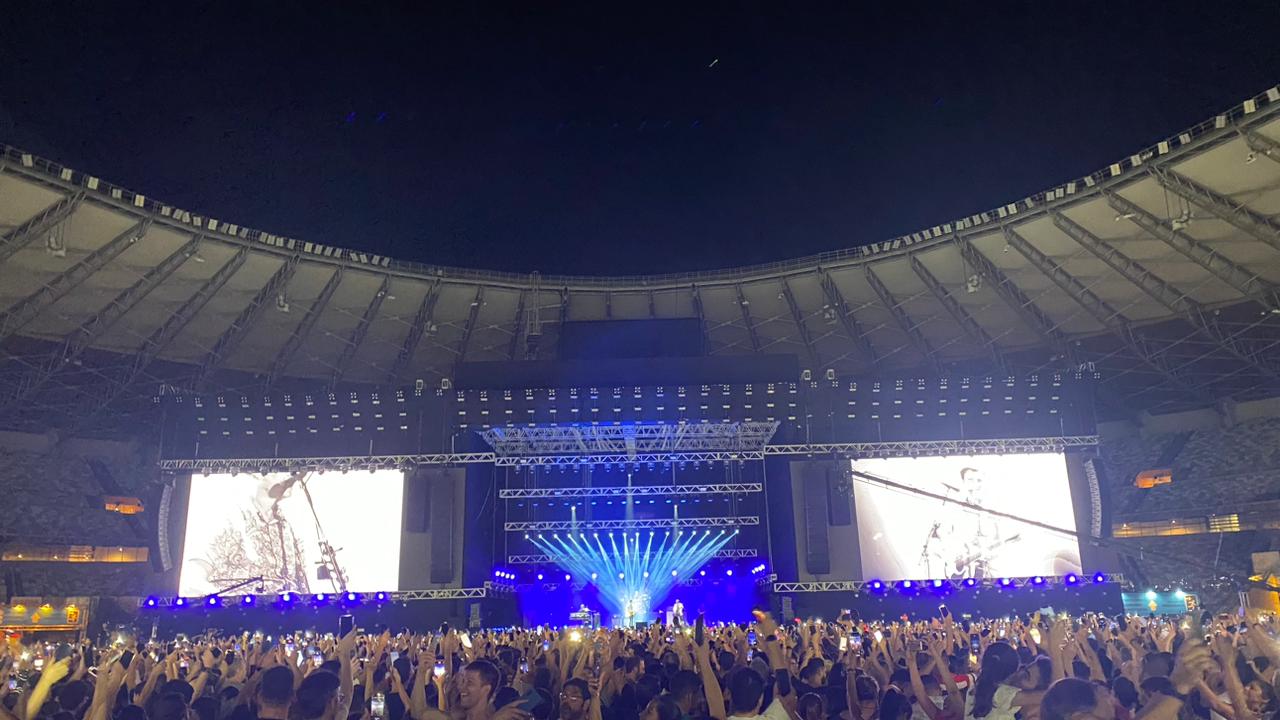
x=1034 y=668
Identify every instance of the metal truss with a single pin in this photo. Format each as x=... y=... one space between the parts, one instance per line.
x=727 y=554
x=1162 y=292
x=641 y=490
x=801 y=327
x=337 y=462
x=1105 y=314
x=231 y=337
x=913 y=448
x=26 y=310
x=163 y=335
x=469 y=327
x=884 y=585
x=421 y=323
x=630 y=440
x=745 y=307
x=42 y=224
x=1245 y=282
x=695 y=297
x=957 y=312
x=303 y=328
x=656 y=524
x=514 y=345
x=80 y=339
x=1222 y=207
x=1033 y=317
x=906 y=448
x=1262 y=145
x=353 y=343
x=852 y=330
x=619 y=459
x=908 y=327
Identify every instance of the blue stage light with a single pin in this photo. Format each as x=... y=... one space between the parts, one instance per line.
x=568 y=577
x=287 y=597
x=1099 y=578
x=380 y=596
x=970 y=582
x=179 y=602
x=1037 y=580
x=248 y=600
x=152 y=601
x=937 y=584
x=729 y=572
x=539 y=576
x=1071 y=579
x=320 y=597
x=906 y=584
x=351 y=597
x=1006 y=582
x=876 y=585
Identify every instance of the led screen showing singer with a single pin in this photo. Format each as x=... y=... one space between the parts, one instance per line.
x=276 y=526
x=950 y=532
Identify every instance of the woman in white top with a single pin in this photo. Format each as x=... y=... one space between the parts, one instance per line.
x=997 y=695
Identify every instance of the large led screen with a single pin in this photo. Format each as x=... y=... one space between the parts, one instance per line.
x=950 y=532
x=275 y=526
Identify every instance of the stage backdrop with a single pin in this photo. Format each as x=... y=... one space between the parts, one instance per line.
x=906 y=535
x=260 y=524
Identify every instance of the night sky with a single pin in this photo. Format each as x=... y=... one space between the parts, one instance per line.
x=586 y=139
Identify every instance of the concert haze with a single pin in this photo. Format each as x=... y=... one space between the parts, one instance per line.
x=953 y=532
x=246 y=525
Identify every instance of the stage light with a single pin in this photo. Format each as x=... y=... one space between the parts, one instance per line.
x=621 y=576
x=568 y=577
x=702 y=573
x=729 y=572
x=1006 y=582
x=1151 y=594
x=321 y=597
x=539 y=576
x=152 y=601
x=937 y=584
x=1099 y=578
x=247 y=600
x=1181 y=595
x=1071 y=579
x=646 y=573
x=594 y=576
x=351 y=597
x=876 y=585
x=906 y=584
x=380 y=596
x=674 y=573
x=1037 y=580
x=287 y=597
x=179 y=602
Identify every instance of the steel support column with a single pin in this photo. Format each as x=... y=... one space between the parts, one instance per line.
x=696 y=300
x=1217 y=264
x=912 y=331
x=421 y=321
x=852 y=330
x=962 y=317
x=235 y=333
x=1224 y=208
x=745 y=307
x=353 y=343
x=800 y=324
x=1162 y=292
x=300 y=331
x=44 y=222
x=80 y=339
x=26 y=310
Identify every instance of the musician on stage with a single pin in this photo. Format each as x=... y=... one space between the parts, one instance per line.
x=677 y=614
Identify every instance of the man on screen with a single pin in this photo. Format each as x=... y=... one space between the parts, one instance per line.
x=975 y=535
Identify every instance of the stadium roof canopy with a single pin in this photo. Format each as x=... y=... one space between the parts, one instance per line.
x=1161 y=270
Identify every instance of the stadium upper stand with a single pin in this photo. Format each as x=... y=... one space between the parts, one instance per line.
x=1159 y=271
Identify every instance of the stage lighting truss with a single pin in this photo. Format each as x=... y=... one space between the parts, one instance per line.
x=917 y=448
x=577 y=456
x=926 y=586
x=727 y=553
x=637 y=490
x=630 y=441
x=302 y=600
x=653 y=524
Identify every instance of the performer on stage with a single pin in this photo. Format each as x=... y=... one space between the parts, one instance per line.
x=677 y=614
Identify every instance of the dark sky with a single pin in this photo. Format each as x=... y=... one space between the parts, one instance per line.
x=584 y=139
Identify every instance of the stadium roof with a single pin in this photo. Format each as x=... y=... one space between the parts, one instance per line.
x=1161 y=270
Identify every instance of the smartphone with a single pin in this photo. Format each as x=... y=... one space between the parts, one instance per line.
x=751 y=638
x=524 y=666
x=38 y=663
x=974 y=643
x=943 y=611
x=439 y=671
x=345 y=624
x=13 y=684
x=289 y=647
x=394 y=656
x=844 y=644
x=378 y=705
x=879 y=636
x=465 y=639
x=699 y=630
